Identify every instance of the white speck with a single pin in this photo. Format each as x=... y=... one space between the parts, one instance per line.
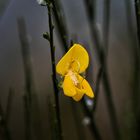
x=41 y=2
x=89 y=102
x=86 y=121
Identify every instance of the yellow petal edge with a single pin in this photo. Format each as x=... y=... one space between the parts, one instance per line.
x=77 y=56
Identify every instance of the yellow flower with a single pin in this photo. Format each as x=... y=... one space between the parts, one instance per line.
x=71 y=65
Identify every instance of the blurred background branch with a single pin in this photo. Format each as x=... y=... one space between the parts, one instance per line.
x=9 y=104
x=60 y=23
x=137 y=11
x=92 y=126
x=102 y=57
x=28 y=76
x=31 y=105
x=136 y=55
x=4 y=130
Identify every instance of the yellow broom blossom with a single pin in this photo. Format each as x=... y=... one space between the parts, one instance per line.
x=71 y=65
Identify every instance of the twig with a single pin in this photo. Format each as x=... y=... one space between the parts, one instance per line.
x=55 y=83
x=106 y=25
x=136 y=54
x=61 y=24
x=52 y=117
x=102 y=61
x=9 y=105
x=4 y=125
x=137 y=11
x=98 y=80
x=28 y=75
x=94 y=32
x=137 y=72
x=78 y=122
x=92 y=125
x=32 y=118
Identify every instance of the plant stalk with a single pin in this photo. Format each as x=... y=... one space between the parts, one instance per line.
x=59 y=135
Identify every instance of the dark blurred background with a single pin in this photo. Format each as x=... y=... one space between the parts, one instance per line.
x=120 y=65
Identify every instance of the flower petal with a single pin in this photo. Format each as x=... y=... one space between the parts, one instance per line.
x=78 y=96
x=87 y=88
x=68 y=87
x=76 y=59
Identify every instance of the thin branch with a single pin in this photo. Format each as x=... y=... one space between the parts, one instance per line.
x=106 y=26
x=52 y=118
x=137 y=71
x=136 y=55
x=78 y=122
x=101 y=55
x=28 y=76
x=59 y=135
x=137 y=11
x=60 y=22
x=4 y=125
x=98 y=81
x=92 y=125
x=31 y=107
x=9 y=105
